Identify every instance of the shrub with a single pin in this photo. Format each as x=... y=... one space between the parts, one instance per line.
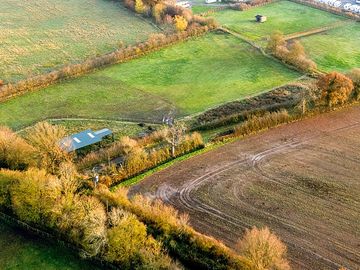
x=7 y=179
x=139 y=6
x=354 y=75
x=263 y=250
x=180 y=23
x=34 y=196
x=157 y=12
x=131 y=247
x=336 y=88
x=81 y=219
x=256 y=123
x=15 y=152
x=293 y=54
x=46 y=139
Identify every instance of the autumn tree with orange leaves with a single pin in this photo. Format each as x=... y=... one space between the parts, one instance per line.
x=335 y=88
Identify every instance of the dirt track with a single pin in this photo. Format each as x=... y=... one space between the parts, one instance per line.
x=302 y=180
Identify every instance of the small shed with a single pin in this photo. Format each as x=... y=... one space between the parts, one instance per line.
x=260 y=18
x=83 y=139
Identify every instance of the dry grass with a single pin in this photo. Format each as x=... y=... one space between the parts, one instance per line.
x=39 y=36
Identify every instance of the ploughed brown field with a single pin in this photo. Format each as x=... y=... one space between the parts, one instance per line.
x=302 y=180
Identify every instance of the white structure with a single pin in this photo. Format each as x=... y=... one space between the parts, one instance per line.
x=184 y=4
x=210 y=1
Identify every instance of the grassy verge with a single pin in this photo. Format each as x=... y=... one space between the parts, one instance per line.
x=137 y=179
x=21 y=251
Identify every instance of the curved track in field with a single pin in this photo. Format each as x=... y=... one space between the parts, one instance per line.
x=285 y=179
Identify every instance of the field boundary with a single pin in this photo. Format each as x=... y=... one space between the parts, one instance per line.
x=89 y=65
x=259 y=48
x=323 y=7
x=316 y=30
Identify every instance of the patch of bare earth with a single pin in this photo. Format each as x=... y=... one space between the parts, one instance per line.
x=302 y=180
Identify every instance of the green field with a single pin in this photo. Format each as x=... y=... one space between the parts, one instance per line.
x=37 y=36
x=186 y=78
x=19 y=251
x=286 y=16
x=337 y=49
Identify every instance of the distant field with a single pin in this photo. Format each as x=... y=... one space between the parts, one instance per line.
x=20 y=251
x=286 y=16
x=37 y=36
x=337 y=49
x=186 y=78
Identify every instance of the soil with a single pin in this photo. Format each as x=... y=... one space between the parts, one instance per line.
x=302 y=180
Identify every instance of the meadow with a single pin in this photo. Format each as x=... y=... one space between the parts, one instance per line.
x=285 y=16
x=19 y=251
x=337 y=49
x=39 y=36
x=183 y=79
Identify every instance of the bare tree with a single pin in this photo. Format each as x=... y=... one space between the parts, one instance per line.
x=174 y=134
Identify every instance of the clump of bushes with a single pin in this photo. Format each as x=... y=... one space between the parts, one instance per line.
x=291 y=53
x=260 y=122
x=250 y=4
x=170 y=16
x=40 y=199
x=263 y=250
x=336 y=88
x=15 y=152
x=141 y=155
x=354 y=75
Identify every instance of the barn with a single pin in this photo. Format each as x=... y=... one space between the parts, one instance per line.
x=83 y=139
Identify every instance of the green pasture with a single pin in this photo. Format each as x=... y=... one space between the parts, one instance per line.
x=285 y=16
x=184 y=79
x=337 y=49
x=38 y=36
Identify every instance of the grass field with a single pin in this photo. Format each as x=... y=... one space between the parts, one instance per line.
x=300 y=180
x=337 y=49
x=286 y=16
x=37 y=36
x=20 y=251
x=186 y=78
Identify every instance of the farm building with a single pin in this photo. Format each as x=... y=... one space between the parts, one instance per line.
x=260 y=18
x=184 y=4
x=83 y=139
